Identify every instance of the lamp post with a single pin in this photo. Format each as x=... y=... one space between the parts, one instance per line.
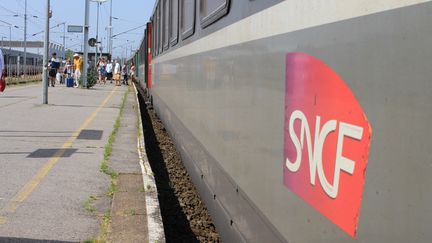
x=85 y=45
x=99 y=2
x=45 y=56
x=25 y=39
x=110 y=31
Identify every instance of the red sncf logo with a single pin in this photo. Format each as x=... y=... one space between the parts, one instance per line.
x=327 y=138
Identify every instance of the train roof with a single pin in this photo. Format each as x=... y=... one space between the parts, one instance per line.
x=13 y=52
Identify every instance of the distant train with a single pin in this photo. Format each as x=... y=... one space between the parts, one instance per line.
x=16 y=68
x=299 y=121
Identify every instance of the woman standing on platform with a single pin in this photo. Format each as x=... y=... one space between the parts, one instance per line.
x=117 y=72
x=132 y=72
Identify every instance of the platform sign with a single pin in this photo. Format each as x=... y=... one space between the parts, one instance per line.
x=75 y=28
x=327 y=138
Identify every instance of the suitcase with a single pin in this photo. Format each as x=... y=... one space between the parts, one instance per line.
x=69 y=82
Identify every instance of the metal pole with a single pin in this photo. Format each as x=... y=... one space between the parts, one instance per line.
x=25 y=39
x=110 y=31
x=86 y=35
x=10 y=50
x=97 y=36
x=45 y=58
x=64 y=40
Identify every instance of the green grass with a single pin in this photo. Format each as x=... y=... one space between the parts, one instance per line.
x=111 y=189
x=88 y=204
x=142 y=189
x=104 y=168
x=106 y=220
x=19 y=81
x=130 y=212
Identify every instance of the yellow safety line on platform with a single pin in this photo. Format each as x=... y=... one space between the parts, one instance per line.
x=23 y=194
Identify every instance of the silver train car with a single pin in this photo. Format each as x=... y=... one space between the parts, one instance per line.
x=299 y=121
x=14 y=63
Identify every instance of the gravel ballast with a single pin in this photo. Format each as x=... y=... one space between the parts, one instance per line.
x=185 y=216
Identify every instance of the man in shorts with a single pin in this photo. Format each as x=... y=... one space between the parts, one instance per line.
x=78 y=68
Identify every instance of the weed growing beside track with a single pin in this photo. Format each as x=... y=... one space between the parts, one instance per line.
x=104 y=168
x=108 y=148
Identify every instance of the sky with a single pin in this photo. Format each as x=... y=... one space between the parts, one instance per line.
x=128 y=14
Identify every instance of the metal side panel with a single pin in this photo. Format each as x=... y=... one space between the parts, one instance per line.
x=234 y=215
x=227 y=106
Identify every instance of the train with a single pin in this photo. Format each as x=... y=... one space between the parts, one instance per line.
x=14 y=68
x=298 y=121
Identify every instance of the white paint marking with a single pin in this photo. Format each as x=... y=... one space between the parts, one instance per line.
x=154 y=219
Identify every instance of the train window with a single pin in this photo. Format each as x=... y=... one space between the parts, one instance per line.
x=155 y=33
x=154 y=36
x=160 y=30
x=212 y=10
x=174 y=6
x=155 y=42
x=166 y=24
x=187 y=19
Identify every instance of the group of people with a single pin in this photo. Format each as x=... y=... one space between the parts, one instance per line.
x=107 y=70
x=70 y=70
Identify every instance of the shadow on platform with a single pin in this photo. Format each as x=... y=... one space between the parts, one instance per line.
x=23 y=240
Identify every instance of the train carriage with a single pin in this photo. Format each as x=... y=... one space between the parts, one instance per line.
x=14 y=63
x=299 y=121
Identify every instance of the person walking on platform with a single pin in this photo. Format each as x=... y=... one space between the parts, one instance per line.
x=78 y=68
x=101 y=67
x=109 y=70
x=132 y=72
x=117 y=72
x=124 y=73
x=54 y=66
x=68 y=69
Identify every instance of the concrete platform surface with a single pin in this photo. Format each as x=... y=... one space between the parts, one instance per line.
x=51 y=187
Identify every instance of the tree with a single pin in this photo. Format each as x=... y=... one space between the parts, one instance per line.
x=69 y=54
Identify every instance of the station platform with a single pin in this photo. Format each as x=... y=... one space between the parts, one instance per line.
x=74 y=170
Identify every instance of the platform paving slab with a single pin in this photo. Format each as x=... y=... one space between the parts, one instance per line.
x=124 y=158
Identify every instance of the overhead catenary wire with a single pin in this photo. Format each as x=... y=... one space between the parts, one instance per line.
x=128 y=30
x=8 y=10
